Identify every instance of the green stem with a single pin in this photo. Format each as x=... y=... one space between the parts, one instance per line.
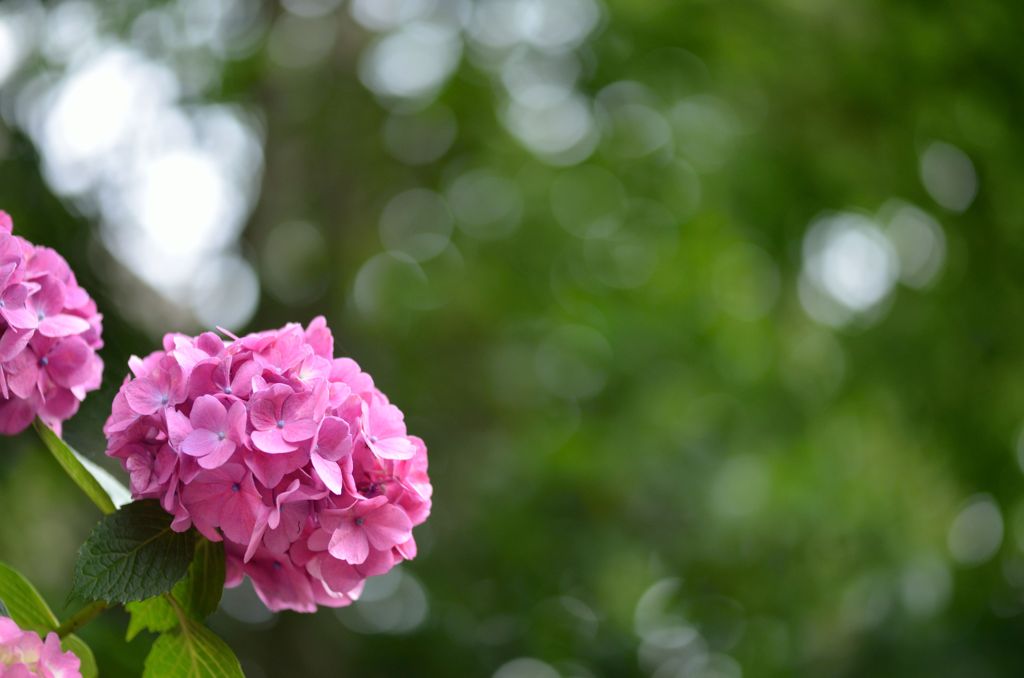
x=81 y=618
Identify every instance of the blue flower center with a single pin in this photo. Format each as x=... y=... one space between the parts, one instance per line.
x=44 y=361
x=360 y=521
x=280 y=423
x=235 y=487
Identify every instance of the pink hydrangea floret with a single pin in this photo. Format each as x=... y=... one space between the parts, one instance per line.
x=23 y=654
x=49 y=334
x=289 y=455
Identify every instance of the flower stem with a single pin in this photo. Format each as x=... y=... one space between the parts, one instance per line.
x=81 y=618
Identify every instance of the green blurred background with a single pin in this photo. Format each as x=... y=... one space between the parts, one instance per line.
x=708 y=312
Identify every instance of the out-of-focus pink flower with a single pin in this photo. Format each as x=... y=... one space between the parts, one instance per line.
x=23 y=654
x=290 y=456
x=49 y=334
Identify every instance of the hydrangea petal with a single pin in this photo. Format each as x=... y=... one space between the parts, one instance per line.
x=200 y=442
x=349 y=543
x=387 y=526
x=271 y=442
x=63 y=325
x=208 y=413
x=329 y=472
x=144 y=396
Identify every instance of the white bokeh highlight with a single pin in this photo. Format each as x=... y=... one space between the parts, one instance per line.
x=949 y=176
x=976 y=532
x=170 y=184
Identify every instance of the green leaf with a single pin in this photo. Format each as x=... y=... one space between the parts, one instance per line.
x=75 y=644
x=29 y=611
x=102 y=488
x=132 y=555
x=153 y=614
x=191 y=651
x=199 y=593
x=26 y=607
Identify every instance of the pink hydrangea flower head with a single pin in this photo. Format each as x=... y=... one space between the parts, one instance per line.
x=23 y=654
x=290 y=456
x=49 y=334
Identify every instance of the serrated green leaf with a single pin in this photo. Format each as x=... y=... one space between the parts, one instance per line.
x=132 y=555
x=102 y=488
x=191 y=651
x=153 y=614
x=26 y=607
x=29 y=611
x=200 y=591
x=75 y=644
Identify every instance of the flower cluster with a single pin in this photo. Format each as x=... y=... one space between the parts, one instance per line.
x=291 y=456
x=24 y=654
x=49 y=334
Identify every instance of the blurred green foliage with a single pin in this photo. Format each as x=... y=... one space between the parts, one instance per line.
x=648 y=458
